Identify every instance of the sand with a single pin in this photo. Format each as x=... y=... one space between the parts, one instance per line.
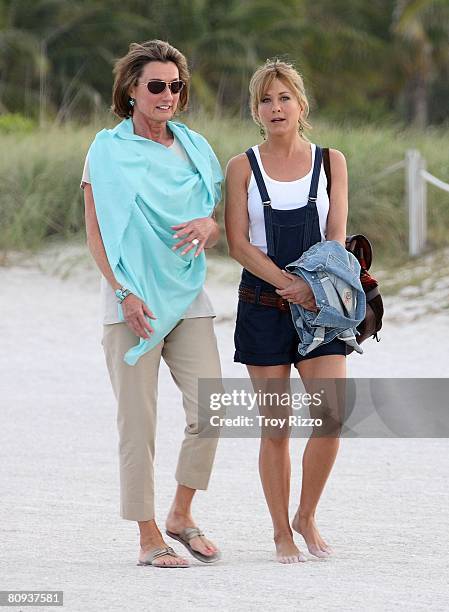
x=384 y=508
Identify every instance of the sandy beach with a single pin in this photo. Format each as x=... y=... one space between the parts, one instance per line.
x=384 y=509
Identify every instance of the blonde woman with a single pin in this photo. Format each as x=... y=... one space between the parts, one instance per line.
x=277 y=207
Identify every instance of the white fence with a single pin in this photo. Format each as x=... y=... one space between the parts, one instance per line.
x=416 y=179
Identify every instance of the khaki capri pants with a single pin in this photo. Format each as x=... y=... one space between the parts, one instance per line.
x=190 y=351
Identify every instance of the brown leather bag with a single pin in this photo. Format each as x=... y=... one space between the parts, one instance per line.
x=361 y=248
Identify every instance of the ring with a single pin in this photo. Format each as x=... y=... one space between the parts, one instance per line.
x=195 y=241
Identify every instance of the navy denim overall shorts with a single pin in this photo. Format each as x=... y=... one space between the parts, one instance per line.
x=266 y=335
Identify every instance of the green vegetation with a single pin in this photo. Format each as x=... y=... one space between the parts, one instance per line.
x=376 y=73
x=40 y=174
x=365 y=61
x=14 y=123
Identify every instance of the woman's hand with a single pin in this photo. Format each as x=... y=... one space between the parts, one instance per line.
x=199 y=230
x=298 y=292
x=135 y=312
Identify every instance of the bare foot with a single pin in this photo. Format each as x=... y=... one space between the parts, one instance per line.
x=307 y=528
x=286 y=549
x=176 y=523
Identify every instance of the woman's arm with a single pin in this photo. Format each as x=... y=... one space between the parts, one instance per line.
x=215 y=233
x=94 y=240
x=134 y=309
x=250 y=257
x=338 y=208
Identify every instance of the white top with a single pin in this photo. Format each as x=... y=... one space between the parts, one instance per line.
x=284 y=195
x=201 y=305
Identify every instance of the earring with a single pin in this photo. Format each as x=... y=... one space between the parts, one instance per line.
x=300 y=128
x=131 y=101
x=262 y=131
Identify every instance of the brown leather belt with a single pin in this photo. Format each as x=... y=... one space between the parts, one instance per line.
x=265 y=298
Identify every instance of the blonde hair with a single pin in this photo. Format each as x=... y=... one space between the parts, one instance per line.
x=129 y=68
x=285 y=72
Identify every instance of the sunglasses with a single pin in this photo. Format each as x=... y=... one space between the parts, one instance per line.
x=156 y=86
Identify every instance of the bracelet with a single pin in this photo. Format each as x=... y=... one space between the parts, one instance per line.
x=122 y=293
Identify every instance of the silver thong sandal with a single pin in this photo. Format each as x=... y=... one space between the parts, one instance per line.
x=185 y=536
x=151 y=555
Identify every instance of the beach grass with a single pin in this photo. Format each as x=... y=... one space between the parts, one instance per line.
x=40 y=174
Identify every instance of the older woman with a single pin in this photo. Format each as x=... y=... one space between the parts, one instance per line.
x=150 y=188
x=277 y=207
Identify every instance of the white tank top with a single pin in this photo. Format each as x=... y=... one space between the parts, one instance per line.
x=284 y=195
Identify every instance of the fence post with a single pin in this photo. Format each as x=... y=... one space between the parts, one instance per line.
x=423 y=184
x=415 y=190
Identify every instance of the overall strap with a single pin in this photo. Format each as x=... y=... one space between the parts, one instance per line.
x=316 y=174
x=312 y=211
x=267 y=211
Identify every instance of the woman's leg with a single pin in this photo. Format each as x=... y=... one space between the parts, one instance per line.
x=321 y=451
x=135 y=388
x=274 y=462
x=191 y=353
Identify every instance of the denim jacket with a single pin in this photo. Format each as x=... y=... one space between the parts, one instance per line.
x=333 y=275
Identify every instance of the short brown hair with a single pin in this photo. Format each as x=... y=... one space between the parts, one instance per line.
x=129 y=68
x=285 y=72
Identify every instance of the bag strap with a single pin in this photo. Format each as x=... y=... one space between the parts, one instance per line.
x=327 y=170
x=357 y=244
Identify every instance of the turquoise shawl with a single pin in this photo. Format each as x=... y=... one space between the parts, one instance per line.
x=141 y=188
